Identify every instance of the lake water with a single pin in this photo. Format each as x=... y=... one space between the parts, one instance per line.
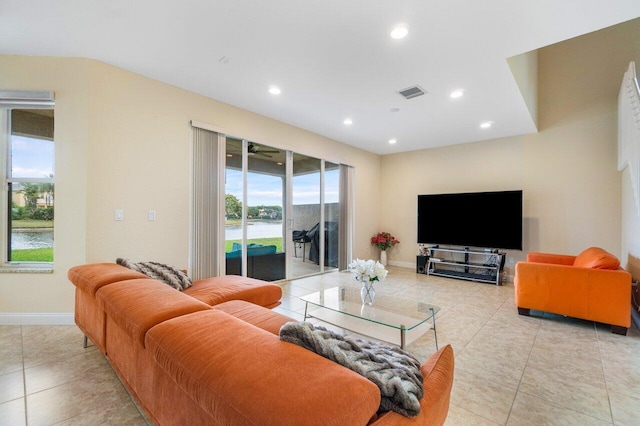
x=39 y=239
x=255 y=230
x=31 y=239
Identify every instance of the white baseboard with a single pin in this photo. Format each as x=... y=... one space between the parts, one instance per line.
x=36 y=319
x=403 y=264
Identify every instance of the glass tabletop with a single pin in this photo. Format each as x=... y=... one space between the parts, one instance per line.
x=386 y=310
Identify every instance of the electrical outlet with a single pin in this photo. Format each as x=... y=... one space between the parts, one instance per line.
x=152 y=215
x=510 y=259
x=119 y=215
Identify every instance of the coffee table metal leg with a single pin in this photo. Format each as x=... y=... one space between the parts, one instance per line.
x=306 y=305
x=435 y=333
x=403 y=336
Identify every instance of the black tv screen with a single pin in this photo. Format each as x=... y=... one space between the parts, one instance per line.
x=473 y=219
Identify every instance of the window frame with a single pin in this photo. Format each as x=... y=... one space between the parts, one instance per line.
x=18 y=100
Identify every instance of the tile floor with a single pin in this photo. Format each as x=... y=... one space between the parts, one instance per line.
x=510 y=370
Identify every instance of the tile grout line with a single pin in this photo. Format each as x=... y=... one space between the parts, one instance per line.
x=604 y=376
x=24 y=376
x=523 y=370
x=565 y=406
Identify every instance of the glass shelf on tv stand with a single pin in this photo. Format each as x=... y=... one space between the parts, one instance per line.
x=391 y=319
x=473 y=270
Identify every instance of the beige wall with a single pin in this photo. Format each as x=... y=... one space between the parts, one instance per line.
x=123 y=142
x=139 y=155
x=481 y=166
x=572 y=189
x=51 y=293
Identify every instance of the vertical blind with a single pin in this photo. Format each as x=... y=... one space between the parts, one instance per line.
x=347 y=217
x=629 y=129
x=206 y=230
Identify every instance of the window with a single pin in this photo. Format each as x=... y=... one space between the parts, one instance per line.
x=28 y=192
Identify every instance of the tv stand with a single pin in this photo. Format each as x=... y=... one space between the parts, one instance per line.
x=465 y=264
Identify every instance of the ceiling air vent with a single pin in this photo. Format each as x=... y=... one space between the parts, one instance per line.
x=412 y=92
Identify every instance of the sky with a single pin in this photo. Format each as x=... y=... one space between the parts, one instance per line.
x=268 y=190
x=31 y=158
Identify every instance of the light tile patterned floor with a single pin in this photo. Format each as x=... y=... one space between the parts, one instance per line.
x=510 y=370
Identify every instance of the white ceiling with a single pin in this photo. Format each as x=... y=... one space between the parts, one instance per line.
x=332 y=59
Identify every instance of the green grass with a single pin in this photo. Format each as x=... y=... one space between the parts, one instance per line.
x=32 y=255
x=31 y=223
x=273 y=241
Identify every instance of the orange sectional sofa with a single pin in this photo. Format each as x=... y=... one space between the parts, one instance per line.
x=89 y=279
x=589 y=286
x=217 y=359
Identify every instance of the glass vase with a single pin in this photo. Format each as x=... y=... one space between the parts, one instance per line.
x=367 y=293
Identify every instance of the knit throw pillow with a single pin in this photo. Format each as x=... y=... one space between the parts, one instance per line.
x=161 y=272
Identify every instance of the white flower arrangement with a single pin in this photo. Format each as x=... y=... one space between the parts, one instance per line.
x=368 y=270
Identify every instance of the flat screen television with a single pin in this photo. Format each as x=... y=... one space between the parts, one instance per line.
x=473 y=219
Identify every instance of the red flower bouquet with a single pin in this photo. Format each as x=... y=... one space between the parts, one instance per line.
x=384 y=240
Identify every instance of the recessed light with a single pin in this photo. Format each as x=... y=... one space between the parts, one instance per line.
x=224 y=60
x=394 y=109
x=457 y=93
x=274 y=90
x=392 y=141
x=486 y=124
x=399 y=32
x=348 y=121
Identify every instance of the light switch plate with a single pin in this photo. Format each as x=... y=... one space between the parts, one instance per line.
x=119 y=215
x=152 y=215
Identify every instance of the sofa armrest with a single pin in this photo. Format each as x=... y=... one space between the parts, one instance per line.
x=437 y=374
x=559 y=259
x=601 y=295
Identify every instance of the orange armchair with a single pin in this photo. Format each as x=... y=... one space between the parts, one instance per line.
x=590 y=286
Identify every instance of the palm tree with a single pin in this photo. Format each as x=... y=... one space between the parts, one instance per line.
x=31 y=192
x=48 y=188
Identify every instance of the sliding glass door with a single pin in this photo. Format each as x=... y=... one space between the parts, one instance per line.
x=332 y=214
x=234 y=225
x=306 y=216
x=265 y=203
x=254 y=205
x=266 y=213
x=282 y=215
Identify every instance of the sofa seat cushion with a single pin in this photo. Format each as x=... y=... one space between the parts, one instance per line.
x=90 y=278
x=215 y=290
x=596 y=258
x=259 y=316
x=241 y=374
x=138 y=305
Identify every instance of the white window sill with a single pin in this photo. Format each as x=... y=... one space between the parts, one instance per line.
x=27 y=268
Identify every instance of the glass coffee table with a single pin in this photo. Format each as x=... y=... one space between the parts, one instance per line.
x=394 y=320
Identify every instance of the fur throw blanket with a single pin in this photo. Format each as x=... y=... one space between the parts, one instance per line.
x=396 y=372
x=161 y=272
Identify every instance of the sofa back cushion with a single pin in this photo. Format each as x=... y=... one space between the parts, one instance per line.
x=91 y=277
x=596 y=258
